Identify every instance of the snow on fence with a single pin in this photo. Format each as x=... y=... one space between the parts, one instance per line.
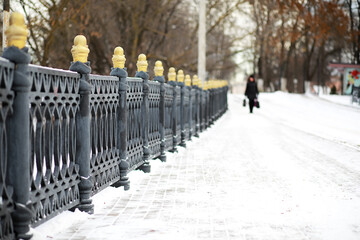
x=66 y=135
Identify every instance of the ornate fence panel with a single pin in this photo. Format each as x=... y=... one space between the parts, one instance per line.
x=169 y=121
x=54 y=102
x=6 y=101
x=134 y=100
x=104 y=100
x=154 y=119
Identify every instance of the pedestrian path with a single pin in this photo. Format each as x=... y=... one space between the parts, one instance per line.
x=247 y=177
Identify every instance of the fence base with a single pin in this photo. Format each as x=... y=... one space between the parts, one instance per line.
x=162 y=157
x=146 y=168
x=124 y=179
x=21 y=217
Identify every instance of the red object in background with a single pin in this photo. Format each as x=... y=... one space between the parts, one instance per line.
x=355 y=74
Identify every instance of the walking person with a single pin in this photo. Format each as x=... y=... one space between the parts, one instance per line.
x=251 y=92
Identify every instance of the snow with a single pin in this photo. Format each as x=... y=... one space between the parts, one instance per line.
x=291 y=170
x=340 y=99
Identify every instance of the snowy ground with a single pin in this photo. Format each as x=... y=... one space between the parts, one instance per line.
x=291 y=170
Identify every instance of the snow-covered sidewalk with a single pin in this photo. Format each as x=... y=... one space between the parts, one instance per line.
x=291 y=170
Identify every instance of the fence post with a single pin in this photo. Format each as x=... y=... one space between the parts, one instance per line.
x=201 y=85
x=202 y=107
x=197 y=105
x=189 y=112
x=18 y=127
x=81 y=65
x=209 y=105
x=119 y=71
x=142 y=65
x=213 y=96
x=195 y=83
x=209 y=93
x=226 y=96
x=180 y=82
x=172 y=82
x=159 y=76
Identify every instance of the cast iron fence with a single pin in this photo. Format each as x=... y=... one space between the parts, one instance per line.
x=66 y=135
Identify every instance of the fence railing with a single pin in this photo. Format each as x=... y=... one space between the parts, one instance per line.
x=66 y=135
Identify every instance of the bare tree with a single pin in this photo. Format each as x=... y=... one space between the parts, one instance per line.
x=302 y=34
x=162 y=29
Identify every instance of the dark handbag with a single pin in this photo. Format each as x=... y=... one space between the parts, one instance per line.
x=256 y=103
x=244 y=102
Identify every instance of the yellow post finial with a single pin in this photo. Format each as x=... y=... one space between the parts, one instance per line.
x=80 y=50
x=180 y=76
x=172 y=74
x=142 y=64
x=187 y=80
x=195 y=80
x=158 y=69
x=209 y=84
x=17 y=31
x=118 y=58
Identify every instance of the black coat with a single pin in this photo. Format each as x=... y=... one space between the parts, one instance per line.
x=251 y=90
